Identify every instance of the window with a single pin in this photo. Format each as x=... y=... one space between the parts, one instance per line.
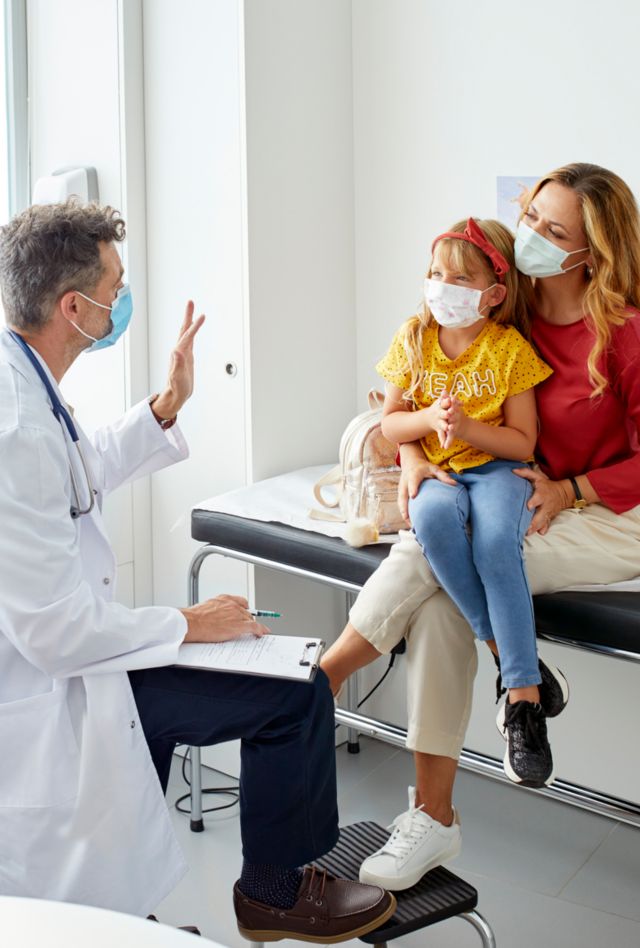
x=4 y=153
x=14 y=141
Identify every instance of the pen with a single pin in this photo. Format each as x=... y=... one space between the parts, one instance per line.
x=265 y=613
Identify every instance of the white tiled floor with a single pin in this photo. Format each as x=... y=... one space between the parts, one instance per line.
x=547 y=874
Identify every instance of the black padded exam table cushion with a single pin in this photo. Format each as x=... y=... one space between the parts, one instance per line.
x=328 y=556
x=609 y=619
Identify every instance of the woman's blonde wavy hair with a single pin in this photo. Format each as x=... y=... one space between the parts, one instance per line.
x=469 y=259
x=612 y=227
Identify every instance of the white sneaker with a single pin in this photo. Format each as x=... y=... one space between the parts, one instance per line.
x=417 y=844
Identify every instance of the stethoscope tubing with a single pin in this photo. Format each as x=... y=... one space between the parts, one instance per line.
x=62 y=416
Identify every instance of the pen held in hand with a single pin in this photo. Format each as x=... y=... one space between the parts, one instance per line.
x=265 y=614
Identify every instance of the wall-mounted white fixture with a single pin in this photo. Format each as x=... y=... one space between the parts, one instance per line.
x=64 y=183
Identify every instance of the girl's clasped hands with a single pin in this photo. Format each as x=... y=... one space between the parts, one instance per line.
x=447 y=418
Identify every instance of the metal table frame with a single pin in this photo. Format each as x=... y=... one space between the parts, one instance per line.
x=478 y=921
x=625 y=811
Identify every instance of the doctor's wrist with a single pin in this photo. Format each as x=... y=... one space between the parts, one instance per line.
x=164 y=413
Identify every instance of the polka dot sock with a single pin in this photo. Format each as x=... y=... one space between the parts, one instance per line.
x=272 y=885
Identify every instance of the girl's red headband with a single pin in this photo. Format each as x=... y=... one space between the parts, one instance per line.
x=475 y=235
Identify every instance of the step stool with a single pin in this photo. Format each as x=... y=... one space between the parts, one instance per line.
x=438 y=895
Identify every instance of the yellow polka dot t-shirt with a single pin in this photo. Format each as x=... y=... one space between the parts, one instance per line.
x=499 y=363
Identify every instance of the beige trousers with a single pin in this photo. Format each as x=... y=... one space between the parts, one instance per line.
x=402 y=598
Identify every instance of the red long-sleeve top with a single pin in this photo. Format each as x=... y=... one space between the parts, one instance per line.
x=597 y=436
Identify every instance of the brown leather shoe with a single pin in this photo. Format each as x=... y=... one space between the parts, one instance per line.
x=328 y=910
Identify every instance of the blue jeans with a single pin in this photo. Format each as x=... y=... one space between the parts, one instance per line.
x=472 y=537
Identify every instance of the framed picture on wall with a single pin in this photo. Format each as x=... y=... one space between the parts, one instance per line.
x=509 y=192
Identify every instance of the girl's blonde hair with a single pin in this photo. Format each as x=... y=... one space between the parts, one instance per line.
x=612 y=227
x=468 y=259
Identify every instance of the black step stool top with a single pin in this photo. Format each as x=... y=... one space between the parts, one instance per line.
x=437 y=896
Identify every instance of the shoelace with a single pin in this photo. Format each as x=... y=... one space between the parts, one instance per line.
x=317 y=877
x=405 y=829
x=528 y=715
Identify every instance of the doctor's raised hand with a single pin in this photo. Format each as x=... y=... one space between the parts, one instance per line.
x=179 y=385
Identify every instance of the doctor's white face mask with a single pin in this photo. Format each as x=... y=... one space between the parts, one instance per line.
x=538 y=257
x=454 y=306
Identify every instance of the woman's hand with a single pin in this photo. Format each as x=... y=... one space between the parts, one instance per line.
x=548 y=499
x=220 y=619
x=415 y=470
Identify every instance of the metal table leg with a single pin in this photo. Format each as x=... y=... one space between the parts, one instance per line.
x=353 y=744
x=482 y=927
x=196 y=822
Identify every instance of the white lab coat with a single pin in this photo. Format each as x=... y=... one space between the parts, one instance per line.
x=82 y=815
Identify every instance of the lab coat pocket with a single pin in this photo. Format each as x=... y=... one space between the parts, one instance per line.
x=40 y=756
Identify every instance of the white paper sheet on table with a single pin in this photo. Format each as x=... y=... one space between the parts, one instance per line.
x=289 y=497
x=286 y=499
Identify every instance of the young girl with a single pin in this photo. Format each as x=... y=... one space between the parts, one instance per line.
x=460 y=379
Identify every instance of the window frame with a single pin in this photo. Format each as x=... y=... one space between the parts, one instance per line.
x=17 y=96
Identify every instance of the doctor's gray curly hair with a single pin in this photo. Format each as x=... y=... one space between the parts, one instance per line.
x=49 y=249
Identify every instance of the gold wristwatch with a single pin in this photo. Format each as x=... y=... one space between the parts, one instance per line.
x=579 y=502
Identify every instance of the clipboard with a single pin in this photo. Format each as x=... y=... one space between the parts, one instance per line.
x=273 y=656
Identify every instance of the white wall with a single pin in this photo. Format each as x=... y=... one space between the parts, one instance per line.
x=76 y=116
x=446 y=97
x=268 y=257
x=194 y=131
x=301 y=258
x=300 y=226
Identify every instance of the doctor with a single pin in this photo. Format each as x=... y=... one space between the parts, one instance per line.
x=90 y=709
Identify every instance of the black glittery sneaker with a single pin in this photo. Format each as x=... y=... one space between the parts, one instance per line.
x=554 y=688
x=527 y=759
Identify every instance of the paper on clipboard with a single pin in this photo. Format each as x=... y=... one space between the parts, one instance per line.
x=275 y=656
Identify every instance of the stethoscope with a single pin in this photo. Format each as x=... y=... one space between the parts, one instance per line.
x=62 y=415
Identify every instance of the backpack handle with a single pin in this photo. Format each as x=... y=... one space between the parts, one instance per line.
x=375 y=398
x=332 y=478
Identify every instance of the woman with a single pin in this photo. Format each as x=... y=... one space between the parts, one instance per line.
x=579 y=237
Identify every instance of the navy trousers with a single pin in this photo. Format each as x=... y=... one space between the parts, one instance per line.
x=288 y=808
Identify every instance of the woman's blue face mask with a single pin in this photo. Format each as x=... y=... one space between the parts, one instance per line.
x=121 y=312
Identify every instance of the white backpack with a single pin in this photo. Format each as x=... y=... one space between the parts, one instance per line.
x=365 y=478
